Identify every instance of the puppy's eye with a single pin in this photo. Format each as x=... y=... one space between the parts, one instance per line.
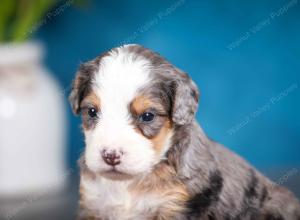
x=92 y=112
x=147 y=117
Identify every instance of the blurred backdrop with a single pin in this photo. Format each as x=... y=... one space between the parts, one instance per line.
x=243 y=55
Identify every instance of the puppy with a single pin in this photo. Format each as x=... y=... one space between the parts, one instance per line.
x=146 y=157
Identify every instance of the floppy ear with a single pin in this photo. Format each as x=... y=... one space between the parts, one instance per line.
x=82 y=84
x=185 y=98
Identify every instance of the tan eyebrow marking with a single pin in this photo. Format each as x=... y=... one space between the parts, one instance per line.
x=91 y=99
x=142 y=103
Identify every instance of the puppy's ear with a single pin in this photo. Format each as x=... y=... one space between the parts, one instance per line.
x=82 y=84
x=185 y=99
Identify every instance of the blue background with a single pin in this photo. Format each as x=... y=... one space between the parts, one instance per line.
x=196 y=37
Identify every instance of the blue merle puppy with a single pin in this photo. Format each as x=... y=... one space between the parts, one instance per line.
x=146 y=157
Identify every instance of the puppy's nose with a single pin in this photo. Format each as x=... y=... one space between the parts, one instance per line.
x=111 y=158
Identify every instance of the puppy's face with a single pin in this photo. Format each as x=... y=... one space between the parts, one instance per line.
x=130 y=99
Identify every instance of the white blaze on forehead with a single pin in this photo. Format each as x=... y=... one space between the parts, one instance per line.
x=118 y=79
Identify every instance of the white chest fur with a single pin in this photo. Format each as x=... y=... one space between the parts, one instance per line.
x=111 y=200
